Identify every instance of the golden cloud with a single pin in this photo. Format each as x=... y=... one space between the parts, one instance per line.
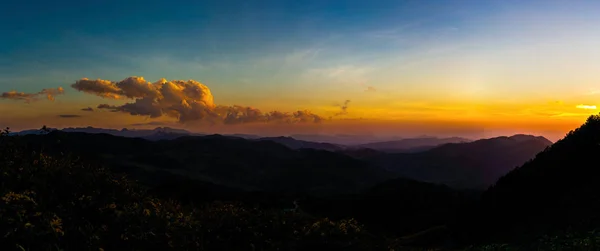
x=29 y=97
x=185 y=100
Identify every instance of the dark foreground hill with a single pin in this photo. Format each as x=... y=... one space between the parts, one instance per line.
x=51 y=201
x=399 y=206
x=65 y=191
x=475 y=164
x=555 y=192
x=70 y=191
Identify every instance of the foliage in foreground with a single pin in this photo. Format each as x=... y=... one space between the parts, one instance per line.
x=62 y=203
x=568 y=241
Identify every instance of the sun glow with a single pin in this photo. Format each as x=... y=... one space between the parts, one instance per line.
x=587 y=107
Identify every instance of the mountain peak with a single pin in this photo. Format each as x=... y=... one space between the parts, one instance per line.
x=523 y=137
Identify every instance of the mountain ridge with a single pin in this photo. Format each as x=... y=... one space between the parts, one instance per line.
x=476 y=164
x=556 y=191
x=412 y=144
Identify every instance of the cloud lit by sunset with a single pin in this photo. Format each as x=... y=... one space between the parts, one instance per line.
x=500 y=71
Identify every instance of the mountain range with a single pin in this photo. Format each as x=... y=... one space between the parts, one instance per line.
x=253 y=165
x=321 y=142
x=412 y=144
x=514 y=189
x=475 y=165
x=463 y=164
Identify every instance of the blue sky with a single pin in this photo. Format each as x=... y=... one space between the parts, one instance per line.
x=474 y=60
x=58 y=40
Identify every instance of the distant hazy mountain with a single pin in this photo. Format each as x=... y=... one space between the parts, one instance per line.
x=341 y=139
x=31 y=132
x=245 y=136
x=300 y=144
x=132 y=133
x=158 y=133
x=476 y=164
x=412 y=144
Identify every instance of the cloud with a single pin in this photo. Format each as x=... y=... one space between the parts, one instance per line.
x=343 y=74
x=89 y=109
x=29 y=97
x=112 y=108
x=344 y=108
x=302 y=55
x=587 y=107
x=69 y=116
x=370 y=89
x=184 y=100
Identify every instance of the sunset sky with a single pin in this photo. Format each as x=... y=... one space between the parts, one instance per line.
x=463 y=68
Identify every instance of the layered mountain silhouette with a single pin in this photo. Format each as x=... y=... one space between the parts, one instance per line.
x=555 y=192
x=476 y=164
x=300 y=144
x=223 y=160
x=412 y=144
x=154 y=134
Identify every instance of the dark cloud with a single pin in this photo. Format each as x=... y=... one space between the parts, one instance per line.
x=89 y=109
x=69 y=116
x=344 y=108
x=185 y=100
x=29 y=97
x=112 y=108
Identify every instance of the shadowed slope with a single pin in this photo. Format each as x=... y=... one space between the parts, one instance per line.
x=466 y=165
x=556 y=191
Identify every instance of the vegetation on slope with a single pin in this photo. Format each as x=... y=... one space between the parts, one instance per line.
x=51 y=199
x=59 y=202
x=553 y=194
x=232 y=162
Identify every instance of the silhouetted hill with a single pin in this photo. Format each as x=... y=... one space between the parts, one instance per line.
x=412 y=145
x=399 y=206
x=556 y=191
x=475 y=164
x=223 y=160
x=56 y=200
x=300 y=144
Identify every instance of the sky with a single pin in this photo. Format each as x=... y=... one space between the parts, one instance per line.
x=396 y=68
